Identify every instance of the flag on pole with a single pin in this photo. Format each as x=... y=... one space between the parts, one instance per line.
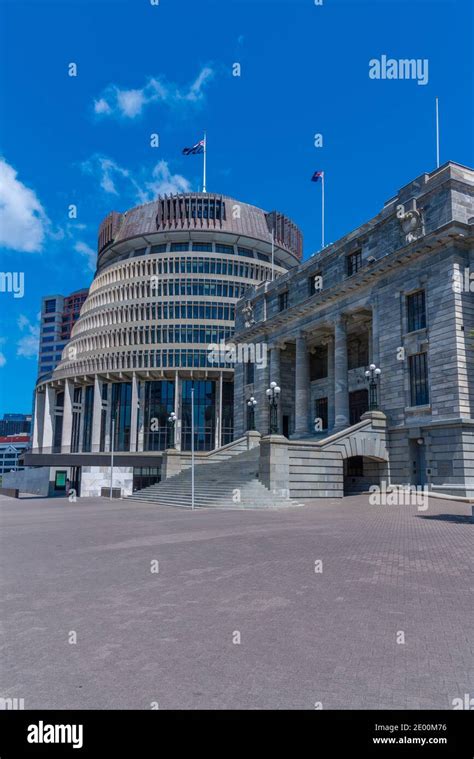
x=196 y=149
x=317 y=175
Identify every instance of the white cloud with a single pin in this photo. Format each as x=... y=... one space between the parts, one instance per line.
x=27 y=346
x=129 y=104
x=163 y=181
x=23 y=220
x=88 y=253
x=140 y=188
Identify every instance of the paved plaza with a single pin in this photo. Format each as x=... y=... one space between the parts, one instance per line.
x=333 y=636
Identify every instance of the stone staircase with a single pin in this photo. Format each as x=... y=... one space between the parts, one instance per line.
x=227 y=483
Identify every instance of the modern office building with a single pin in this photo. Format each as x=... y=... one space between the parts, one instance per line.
x=151 y=331
x=398 y=293
x=59 y=313
x=15 y=424
x=11 y=448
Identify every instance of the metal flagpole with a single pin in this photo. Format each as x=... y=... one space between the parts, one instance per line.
x=204 y=165
x=192 y=448
x=437 y=134
x=112 y=458
x=322 y=210
x=273 y=255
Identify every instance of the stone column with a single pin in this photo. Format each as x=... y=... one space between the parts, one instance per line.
x=96 y=415
x=341 y=391
x=329 y=342
x=67 y=417
x=48 y=423
x=38 y=421
x=374 y=348
x=261 y=384
x=134 y=414
x=240 y=410
x=301 y=387
x=108 y=419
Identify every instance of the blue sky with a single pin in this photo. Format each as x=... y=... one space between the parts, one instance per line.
x=167 y=69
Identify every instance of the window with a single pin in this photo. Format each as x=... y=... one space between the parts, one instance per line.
x=354 y=262
x=48 y=329
x=224 y=248
x=177 y=246
x=263 y=257
x=245 y=252
x=419 y=395
x=47 y=340
x=416 y=311
x=158 y=248
x=283 y=301
x=49 y=319
x=321 y=412
x=205 y=246
x=315 y=283
x=249 y=373
x=139 y=252
x=318 y=363
x=358 y=352
x=50 y=306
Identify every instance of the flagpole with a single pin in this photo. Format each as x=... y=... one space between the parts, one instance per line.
x=273 y=254
x=204 y=165
x=437 y=134
x=322 y=211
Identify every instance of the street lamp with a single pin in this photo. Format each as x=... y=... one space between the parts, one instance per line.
x=172 y=419
x=251 y=403
x=273 y=395
x=372 y=374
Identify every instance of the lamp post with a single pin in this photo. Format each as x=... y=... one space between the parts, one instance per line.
x=273 y=395
x=172 y=419
x=251 y=403
x=372 y=374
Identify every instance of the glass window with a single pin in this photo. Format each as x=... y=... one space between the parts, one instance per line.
x=245 y=252
x=177 y=246
x=321 y=412
x=419 y=395
x=158 y=248
x=205 y=246
x=159 y=403
x=204 y=414
x=318 y=363
x=416 y=311
x=283 y=301
x=224 y=248
x=354 y=262
x=50 y=306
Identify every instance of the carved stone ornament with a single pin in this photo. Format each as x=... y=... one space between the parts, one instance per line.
x=412 y=225
x=247 y=312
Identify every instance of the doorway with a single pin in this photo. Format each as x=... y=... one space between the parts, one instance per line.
x=286 y=425
x=358 y=405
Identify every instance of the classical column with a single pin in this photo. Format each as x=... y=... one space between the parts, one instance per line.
x=48 y=423
x=329 y=342
x=38 y=421
x=96 y=415
x=134 y=414
x=108 y=419
x=261 y=384
x=67 y=417
x=302 y=393
x=341 y=391
x=374 y=348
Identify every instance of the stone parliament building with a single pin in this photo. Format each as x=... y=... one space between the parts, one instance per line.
x=176 y=276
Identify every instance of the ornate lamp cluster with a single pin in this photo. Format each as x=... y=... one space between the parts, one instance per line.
x=372 y=374
x=251 y=404
x=172 y=419
x=273 y=395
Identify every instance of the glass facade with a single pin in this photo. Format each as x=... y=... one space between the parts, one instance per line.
x=121 y=413
x=227 y=434
x=159 y=402
x=204 y=414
